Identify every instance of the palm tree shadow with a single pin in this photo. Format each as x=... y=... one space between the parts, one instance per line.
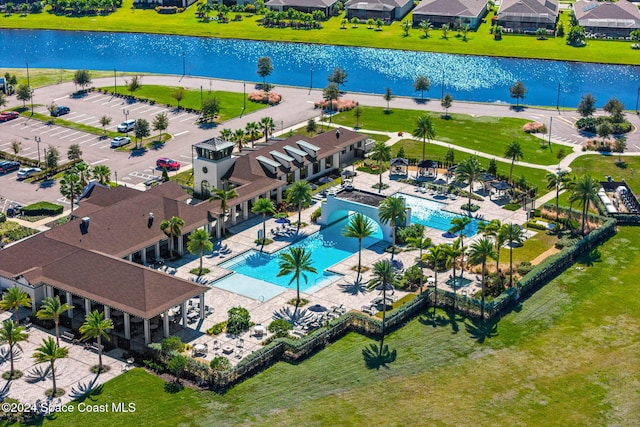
x=85 y=390
x=440 y=320
x=591 y=257
x=356 y=288
x=293 y=315
x=480 y=329
x=376 y=357
x=38 y=374
x=4 y=391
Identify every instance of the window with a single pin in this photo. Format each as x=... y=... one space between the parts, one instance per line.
x=359 y=144
x=328 y=162
x=303 y=172
x=205 y=189
x=316 y=168
x=351 y=147
x=290 y=178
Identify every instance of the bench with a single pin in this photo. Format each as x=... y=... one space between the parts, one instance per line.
x=95 y=347
x=68 y=336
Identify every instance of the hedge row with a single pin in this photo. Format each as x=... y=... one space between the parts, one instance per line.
x=42 y=208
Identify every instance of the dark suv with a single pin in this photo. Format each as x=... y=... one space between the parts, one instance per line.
x=60 y=111
x=6 y=166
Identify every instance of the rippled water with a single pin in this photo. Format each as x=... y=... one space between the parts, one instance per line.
x=470 y=78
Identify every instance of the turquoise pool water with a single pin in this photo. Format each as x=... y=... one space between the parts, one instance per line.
x=255 y=273
x=430 y=214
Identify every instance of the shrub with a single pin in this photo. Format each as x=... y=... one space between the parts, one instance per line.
x=271 y=98
x=566 y=242
x=219 y=364
x=172 y=343
x=413 y=230
x=534 y=127
x=280 y=328
x=316 y=214
x=3 y=217
x=216 y=329
x=336 y=105
x=42 y=208
x=239 y=320
x=524 y=268
x=471 y=208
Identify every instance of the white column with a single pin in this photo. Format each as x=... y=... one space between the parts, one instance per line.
x=87 y=306
x=147 y=331
x=233 y=215
x=107 y=312
x=279 y=195
x=48 y=291
x=184 y=314
x=218 y=228
x=202 y=305
x=69 y=302
x=165 y=324
x=180 y=246
x=157 y=250
x=245 y=210
x=130 y=257
x=127 y=326
x=143 y=255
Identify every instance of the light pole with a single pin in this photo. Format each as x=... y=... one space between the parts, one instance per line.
x=201 y=101
x=126 y=117
x=558 y=99
x=184 y=65
x=550 y=123
x=115 y=84
x=637 y=96
x=29 y=86
x=310 y=78
x=38 y=140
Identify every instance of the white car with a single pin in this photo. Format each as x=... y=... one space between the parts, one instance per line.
x=119 y=141
x=127 y=126
x=25 y=173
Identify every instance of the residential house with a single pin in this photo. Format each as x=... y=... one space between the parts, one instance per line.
x=440 y=12
x=607 y=19
x=306 y=6
x=386 y=10
x=526 y=16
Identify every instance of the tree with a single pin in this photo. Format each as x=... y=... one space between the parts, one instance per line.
x=338 y=76
x=102 y=173
x=178 y=363
x=296 y=261
x=178 y=94
x=421 y=84
x=265 y=67
x=379 y=24
x=13 y=335
x=388 y=96
x=424 y=129
x=492 y=229
x=515 y=153
x=226 y=134
x=357 y=113
x=380 y=152
x=252 y=130
x=436 y=255
x=238 y=137
x=134 y=84
x=587 y=105
x=74 y=152
x=479 y=253
x=619 y=145
x=299 y=194
x=469 y=170
x=268 y=126
x=465 y=31
x=95 y=326
x=384 y=275
x=445 y=31
x=421 y=243
x=49 y=352
x=459 y=225
x=426 y=26
x=23 y=93
x=224 y=196
x=210 y=107
x=393 y=211
x=406 y=26
x=311 y=126
x=51 y=309
x=264 y=207
x=83 y=171
x=104 y=122
x=359 y=227
x=451 y=255
x=161 y=123
x=511 y=234
x=71 y=187
x=615 y=108
x=16 y=146
x=576 y=36
x=141 y=130
x=518 y=91
x=450 y=156
x=199 y=242
x=51 y=157
x=3 y=99
x=493 y=167
x=557 y=181
x=585 y=192
x=172 y=228
x=14 y=298
x=603 y=130
x=82 y=78
x=330 y=94
x=446 y=104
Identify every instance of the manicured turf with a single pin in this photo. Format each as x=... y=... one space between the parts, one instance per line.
x=567 y=356
x=489 y=135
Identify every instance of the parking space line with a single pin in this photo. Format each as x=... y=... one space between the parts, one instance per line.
x=18 y=123
x=77 y=137
x=50 y=129
x=86 y=139
x=111 y=101
x=96 y=143
x=62 y=97
x=188 y=118
x=86 y=120
x=71 y=134
x=60 y=133
x=178 y=116
x=98 y=162
x=181 y=133
x=37 y=129
x=98 y=95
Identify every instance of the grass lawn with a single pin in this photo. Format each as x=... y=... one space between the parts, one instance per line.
x=566 y=356
x=39 y=77
x=391 y=36
x=489 y=135
x=531 y=248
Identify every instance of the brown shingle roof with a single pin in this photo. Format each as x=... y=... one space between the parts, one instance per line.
x=458 y=8
x=620 y=14
x=528 y=8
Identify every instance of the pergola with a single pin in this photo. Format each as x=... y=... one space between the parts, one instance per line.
x=426 y=166
x=500 y=187
x=399 y=166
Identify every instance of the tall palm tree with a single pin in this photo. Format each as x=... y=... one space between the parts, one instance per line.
x=299 y=194
x=421 y=243
x=585 y=192
x=83 y=171
x=51 y=309
x=226 y=134
x=49 y=352
x=199 y=242
x=172 y=228
x=224 y=196
x=95 y=326
x=383 y=275
x=557 y=181
x=424 y=129
x=359 y=227
x=511 y=233
x=436 y=255
x=268 y=126
x=380 y=153
x=252 y=130
x=102 y=173
x=14 y=298
x=71 y=186
x=451 y=255
x=492 y=229
x=469 y=170
x=296 y=261
x=570 y=185
x=238 y=137
x=515 y=153
x=479 y=253
x=12 y=334
x=263 y=206
x=458 y=225
x=392 y=211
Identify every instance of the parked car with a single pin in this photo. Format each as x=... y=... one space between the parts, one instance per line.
x=5 y=116
x=60 y=110
x=170 y=164
x=6 y=166
x=119 y=141
x=127 y=126
x=28 y=172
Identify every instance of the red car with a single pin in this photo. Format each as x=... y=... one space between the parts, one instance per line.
x=5 y=116
x=170 y=164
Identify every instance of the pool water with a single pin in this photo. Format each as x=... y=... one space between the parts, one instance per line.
x=430 y=214
x=256 y=273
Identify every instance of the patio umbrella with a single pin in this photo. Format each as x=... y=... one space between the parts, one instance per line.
x=317 y=308
x=283 y=221
x=348 y=174
x=325 y=180
x=313 y=186
x=448 y=235
x=380 y=300
x=440 y=181
x=389 y=287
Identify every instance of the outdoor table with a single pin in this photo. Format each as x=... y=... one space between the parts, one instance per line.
x=137 y=320
x=227 y=349
x=258 y=330
x=117 y=313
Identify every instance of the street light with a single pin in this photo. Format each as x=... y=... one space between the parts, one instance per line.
x=38 y=140
x=637 y=96
x=126 y=117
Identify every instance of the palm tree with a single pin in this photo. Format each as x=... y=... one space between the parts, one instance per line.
x=238 y=137
x=421 y=243
x=96 y=326
x=570 y=185
x=226 y=134
x=436 y=254
x=511 y=233
x=199 y=242
x=515 y=153
x=49 y=352
x=392 y=211
x=83 y=171
x=296 y=261
x=263 y=206
x=252 y=130
x=12 y=334
x=102 y=173
x=469 y=170
x=268 y=126
x=224 y=196
x=479 y=253
x=557 y=181
x=380 y=153
x=14 y=298
x=359 y=227
x=451 y=255
x=71 y=186
x=458 y=225
x=492 y=229
x=299 y=194
x=424 y=130
x=585 y=192
x=51 y=309
x=172 y=228
x=383 y=275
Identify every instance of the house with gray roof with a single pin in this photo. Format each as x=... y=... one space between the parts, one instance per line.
x=526 y=16
x=607 y=19
x=306 y=6
x=440 y=12
x=386 y=10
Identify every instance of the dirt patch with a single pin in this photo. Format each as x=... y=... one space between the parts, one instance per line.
x=552 y=251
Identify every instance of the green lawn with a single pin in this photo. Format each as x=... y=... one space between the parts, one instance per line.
x=567 y=356
x=391 y=37
x=486 y=134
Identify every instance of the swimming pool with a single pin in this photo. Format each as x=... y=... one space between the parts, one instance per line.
x=430 y=214
x=255 y=273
